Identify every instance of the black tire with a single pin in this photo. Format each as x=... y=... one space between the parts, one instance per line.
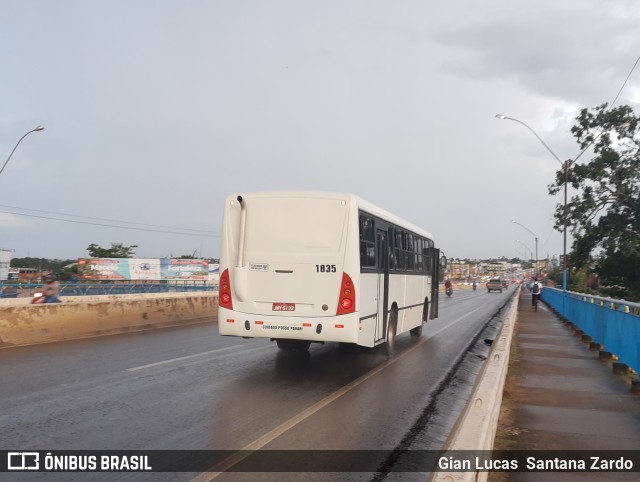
x=299 y=345
x=347 y=347
x=391 y=334
x=417 y=331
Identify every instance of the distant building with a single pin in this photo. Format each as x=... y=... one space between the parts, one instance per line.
x=26 y=275
x=5 y=262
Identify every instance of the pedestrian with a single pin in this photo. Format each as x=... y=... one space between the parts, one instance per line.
x=536 y=288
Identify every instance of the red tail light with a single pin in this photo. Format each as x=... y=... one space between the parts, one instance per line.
x=347 y=297
x=225 y=300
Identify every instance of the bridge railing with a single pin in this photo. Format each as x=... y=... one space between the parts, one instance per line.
x=15 y=290
x=615 y=324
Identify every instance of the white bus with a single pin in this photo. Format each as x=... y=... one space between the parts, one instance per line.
x=303 y=267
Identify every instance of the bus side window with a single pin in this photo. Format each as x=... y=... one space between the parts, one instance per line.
x=426 y=258
x=410 y=254
x=392 y=254
x=399 y=252
x=367 y=242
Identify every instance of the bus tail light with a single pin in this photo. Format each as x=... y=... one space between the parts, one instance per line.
x=347 y=298
x=225 y=300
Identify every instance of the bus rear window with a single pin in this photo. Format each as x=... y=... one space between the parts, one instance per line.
x=295 y=225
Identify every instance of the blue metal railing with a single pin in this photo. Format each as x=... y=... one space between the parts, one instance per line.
x=615 y=324
x=14 y=290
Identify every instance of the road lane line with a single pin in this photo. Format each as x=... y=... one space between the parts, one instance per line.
x=453 y=322
x=292 y=422
x=182 y=358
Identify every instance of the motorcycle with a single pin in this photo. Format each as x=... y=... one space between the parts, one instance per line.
x=474 y=286
x=38 y=298
x=449 y=291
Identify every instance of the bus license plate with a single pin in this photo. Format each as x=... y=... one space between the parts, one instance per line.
x=283 y=307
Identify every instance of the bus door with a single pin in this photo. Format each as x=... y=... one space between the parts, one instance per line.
x=434 y=267
x=382 y=265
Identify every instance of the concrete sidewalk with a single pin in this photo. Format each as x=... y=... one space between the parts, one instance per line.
x=558 y=395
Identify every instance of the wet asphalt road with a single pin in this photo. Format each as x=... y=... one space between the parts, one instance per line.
x=189 y=388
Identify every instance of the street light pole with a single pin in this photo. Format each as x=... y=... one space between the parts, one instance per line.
x=564 y=228
x=37 y=128
x=565 y=166
x=536 y=238
x=527 y=248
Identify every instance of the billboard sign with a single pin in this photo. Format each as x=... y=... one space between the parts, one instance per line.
x=152 y=269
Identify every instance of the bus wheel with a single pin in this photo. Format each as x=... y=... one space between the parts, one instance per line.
x=347 y=347
x=417 y=331
x=299 y=345
x=391 y=334
x=302 y=345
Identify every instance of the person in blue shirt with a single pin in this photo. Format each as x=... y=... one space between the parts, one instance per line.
x=51 y=290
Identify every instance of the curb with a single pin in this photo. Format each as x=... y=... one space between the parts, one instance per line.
x=476 y=428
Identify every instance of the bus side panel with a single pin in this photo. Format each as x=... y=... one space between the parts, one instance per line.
x=396 y=296
x=368 y=308
x=413 y=303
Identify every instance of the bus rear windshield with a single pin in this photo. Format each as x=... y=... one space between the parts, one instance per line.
x=295 y=225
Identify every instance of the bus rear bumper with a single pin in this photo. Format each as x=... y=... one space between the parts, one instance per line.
x=343 y=329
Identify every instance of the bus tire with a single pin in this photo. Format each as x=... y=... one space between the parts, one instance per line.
x=391 y=333
x=347 y=347
x=417 y=331
x=299 y=345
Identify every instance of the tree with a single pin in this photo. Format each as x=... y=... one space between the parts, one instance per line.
x=604 y=215
x=117 y=250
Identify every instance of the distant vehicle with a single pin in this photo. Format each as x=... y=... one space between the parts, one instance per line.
x=303 y=267
x=494 y=284
x=505 y=284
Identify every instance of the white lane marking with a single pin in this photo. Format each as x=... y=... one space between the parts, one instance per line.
x=453 y=323
x=292 y=422
x=182 y=358
x=228 y=355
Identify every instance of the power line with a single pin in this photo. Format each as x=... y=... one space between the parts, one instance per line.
x=625 y=82
x=112 y=225
x=201 y=231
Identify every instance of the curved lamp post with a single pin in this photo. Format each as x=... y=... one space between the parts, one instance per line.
x=525 y=247
x=565 y=165
x=37 y=128
x=536 y=238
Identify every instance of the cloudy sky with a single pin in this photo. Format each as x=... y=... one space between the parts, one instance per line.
x=154 y=111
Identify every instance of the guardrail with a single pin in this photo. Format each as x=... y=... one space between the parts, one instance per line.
x=19 y=290
x=615 y=324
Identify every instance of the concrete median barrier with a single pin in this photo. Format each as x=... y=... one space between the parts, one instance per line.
x=80 y=317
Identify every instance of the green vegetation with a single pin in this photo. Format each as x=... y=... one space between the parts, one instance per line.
x=117 y=250
x=604 y=215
